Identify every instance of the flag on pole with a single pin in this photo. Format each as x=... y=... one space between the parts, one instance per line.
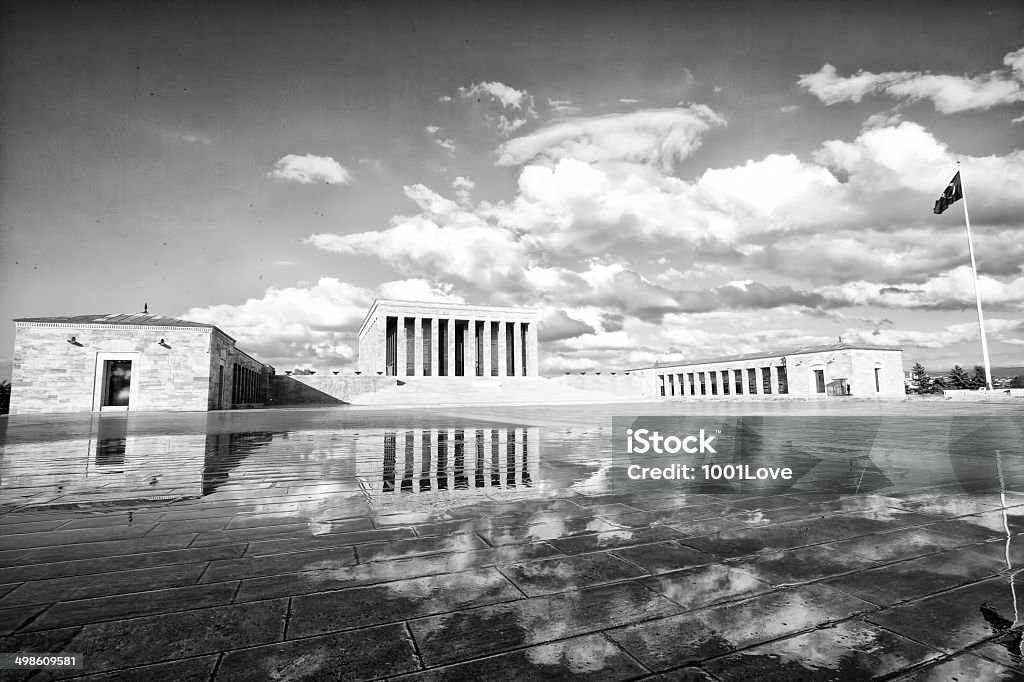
x=954 y=192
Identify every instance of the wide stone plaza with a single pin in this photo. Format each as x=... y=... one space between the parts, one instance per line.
x=508 y=543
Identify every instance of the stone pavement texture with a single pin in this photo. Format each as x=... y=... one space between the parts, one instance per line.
x=306 y=545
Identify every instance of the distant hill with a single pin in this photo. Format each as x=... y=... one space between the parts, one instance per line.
x=1007 y=371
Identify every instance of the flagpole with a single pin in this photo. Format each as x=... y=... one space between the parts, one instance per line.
x=977 y=296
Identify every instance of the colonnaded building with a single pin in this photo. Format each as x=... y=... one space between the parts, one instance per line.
x=421 y=339
x=838 y=369
x=140 y=361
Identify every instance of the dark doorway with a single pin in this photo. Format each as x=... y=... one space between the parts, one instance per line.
x=117 y=382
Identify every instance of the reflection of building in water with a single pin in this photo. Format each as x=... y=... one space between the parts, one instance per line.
x=115 y=465
x=130 y=362
x=460 y=466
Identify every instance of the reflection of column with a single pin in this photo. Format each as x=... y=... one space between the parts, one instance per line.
x=400 y=347
x=450 y=362
x=517 y=349
x=486 y=351
x=417 y=347
x=433 y=346
x=502 y=353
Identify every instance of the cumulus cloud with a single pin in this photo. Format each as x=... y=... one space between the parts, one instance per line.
x=508 y=96
x=556 y=325
x=949 y=94
x=310 y=169
x=953 y=290
x=654 y=136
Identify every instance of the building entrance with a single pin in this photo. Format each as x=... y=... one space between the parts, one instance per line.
x=117 y=383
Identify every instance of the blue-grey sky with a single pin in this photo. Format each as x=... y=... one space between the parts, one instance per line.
x=664 y=180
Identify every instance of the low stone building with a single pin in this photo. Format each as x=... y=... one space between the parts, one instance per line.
x=137 y=362
x=433 y=339
x=837 y=370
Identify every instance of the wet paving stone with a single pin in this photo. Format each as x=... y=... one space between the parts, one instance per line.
x=254 y=567
x=698 y=635
x=487 y=630
x=548 y=576
x=12 y=619
x=900 y=544
x=1006 y=650
x=268 y=547
x=191 y=526
x=591 y=657
x=955 y=619
x=197 y=669
x=625 y=537
x=848 y=651
x=70 y=537
x=794 y=566
x=733 y=544
x=963 y=668
x=94 y=550
x=986 y=526
x=61 y=569
x=694 y=588
x=551 y=530
x=226 y=537
x=908 y=580
x=330 y=577
x=367 y=654
x=400 y=600
x=83 y=611
x=84 y=586
x=420 y=547
x=663 y=557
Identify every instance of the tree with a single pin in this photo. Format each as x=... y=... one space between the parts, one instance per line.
x=919 y=379
x=1017 y=382
x=959 y=379
x=978 y=379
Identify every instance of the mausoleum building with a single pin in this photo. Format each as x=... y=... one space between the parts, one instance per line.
x=138 y=362
x=433 y=339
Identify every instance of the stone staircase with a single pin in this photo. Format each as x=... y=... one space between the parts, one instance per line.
x=481 y=391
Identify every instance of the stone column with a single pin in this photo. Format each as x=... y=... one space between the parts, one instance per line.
x=756 y=390
x=774 y=379
x=517 y=345
x=683 y=384
x=502 y=352
x=380 y=346
x=433 y=346
x=450 y=364
x=532 y=353
x=400 y=347
x=486 y=354
x=417 y=348
x=469 y=349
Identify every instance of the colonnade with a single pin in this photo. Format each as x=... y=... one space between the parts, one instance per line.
x=448 y=346
x=247 y=386
x=697 y=382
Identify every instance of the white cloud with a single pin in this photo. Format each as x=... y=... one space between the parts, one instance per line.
x=446 y=144
x=949 y=94
x=509 y=97
x=951 y=290
x=626 y=100
x=430 y=130
x=309 y=169
x=653 y=136
x=562 y=107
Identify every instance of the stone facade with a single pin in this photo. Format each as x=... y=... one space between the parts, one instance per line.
x=63 y=365
x=833 y=371
x=412 y=339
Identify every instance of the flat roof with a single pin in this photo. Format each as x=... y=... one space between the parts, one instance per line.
x=771 y=354
x=136 y=319
x=444 y=305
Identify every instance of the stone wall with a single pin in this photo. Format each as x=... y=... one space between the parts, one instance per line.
x=52 y=375
x=626 y=385
x=311 y=389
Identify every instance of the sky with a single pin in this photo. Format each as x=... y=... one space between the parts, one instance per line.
x=663 y=181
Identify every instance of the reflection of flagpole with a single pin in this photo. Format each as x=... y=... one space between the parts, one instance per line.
x=1006 y=527
x=977 y=296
